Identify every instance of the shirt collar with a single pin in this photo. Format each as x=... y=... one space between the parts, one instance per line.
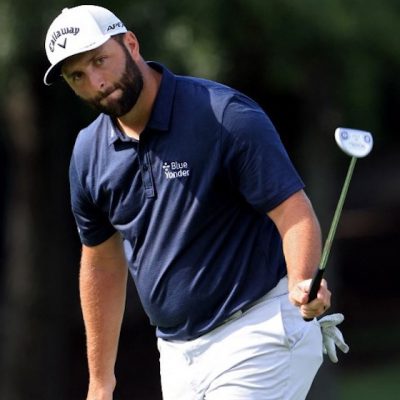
x=162 y=109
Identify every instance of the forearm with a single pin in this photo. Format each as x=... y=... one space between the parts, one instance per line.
x=302 y=248
x=301 y=237
x=103 y=279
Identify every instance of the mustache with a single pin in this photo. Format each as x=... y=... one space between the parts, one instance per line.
x=107 y=92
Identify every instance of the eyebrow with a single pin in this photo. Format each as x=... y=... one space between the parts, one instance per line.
x=68 y=75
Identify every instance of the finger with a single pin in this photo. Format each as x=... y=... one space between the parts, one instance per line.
x=344 y=347
x=309 y=312
x=339 y=341
x=324 y=296
x=317 y=306
x=307 y=315
x=331 y=350
x=304 y=286
x=324 y=283
x=299 y=293
x=298 y=297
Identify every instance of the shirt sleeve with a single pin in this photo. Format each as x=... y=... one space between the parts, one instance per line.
x=254 y=156
x=92 y=223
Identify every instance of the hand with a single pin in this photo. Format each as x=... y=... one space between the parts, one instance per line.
x=331 y=336
x=298 y=295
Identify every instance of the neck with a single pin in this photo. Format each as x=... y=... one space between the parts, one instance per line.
x=134 y=122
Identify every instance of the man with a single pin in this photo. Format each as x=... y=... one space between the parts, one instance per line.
x=185 y=183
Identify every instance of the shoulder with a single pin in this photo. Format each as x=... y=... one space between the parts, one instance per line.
x=205 y=94
x=223 y=97
x=245 y=120
x=239 y=116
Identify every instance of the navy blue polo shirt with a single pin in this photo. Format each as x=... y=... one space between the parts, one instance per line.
x=190 y=200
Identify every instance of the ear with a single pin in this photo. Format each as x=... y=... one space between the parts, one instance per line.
x=132 y=44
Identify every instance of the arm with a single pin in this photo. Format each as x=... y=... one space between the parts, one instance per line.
x=103 y=279
x=301 y=236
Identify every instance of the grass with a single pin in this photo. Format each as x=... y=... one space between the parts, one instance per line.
x=378 y=383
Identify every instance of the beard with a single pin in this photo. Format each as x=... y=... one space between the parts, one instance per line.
x=130 y=84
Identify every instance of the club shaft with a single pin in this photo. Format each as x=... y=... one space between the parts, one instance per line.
x=336 y=217
x=316 y=281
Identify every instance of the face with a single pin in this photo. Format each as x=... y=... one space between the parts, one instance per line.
x=107 y=78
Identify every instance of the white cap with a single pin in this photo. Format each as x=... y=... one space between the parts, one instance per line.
x=77 y=30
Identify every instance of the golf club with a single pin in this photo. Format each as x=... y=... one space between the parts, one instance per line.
x=356 y=144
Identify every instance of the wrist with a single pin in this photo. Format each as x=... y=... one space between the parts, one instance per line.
x=101 y=389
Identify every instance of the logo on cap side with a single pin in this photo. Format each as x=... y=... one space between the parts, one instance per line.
x=115 y=26
x=57 y=34
x=64 y=44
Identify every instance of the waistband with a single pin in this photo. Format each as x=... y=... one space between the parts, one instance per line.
x=279 y=290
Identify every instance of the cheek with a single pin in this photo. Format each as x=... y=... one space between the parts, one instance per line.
x=83 y=92
x=80 y=94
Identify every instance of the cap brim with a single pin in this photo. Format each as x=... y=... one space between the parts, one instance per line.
x=52 y=74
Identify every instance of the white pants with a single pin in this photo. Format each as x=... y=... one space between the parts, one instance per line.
x=266 y=353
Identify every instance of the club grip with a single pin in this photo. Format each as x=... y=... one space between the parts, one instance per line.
x=314 y=287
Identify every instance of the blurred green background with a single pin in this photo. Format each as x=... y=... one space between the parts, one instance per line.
x=313 y=65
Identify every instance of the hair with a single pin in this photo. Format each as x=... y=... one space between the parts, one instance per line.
x=119 y=38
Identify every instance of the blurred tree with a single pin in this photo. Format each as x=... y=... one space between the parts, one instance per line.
x=312 y=64
x=41 y=265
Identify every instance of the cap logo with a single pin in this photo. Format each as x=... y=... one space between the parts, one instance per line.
x=57 y=34
x=115 y=26
x=63 y=45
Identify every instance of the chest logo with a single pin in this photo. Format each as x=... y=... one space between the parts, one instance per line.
x=176 y=169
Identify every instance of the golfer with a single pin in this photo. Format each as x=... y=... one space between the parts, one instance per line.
x=185 y=183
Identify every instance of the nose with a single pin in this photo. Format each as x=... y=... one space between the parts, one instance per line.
x=97 y=80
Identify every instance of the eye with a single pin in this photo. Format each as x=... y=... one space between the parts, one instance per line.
x=100 y=61
x=76 y=76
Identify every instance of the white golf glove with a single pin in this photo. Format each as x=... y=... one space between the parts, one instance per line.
x=331 y=335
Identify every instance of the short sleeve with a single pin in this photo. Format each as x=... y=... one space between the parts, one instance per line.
x=93 y=225
x=254 y=156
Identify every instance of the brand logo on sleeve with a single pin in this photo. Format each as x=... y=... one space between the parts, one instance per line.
x=176 y=169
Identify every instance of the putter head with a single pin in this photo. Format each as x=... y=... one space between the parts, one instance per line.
x=354 y=142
